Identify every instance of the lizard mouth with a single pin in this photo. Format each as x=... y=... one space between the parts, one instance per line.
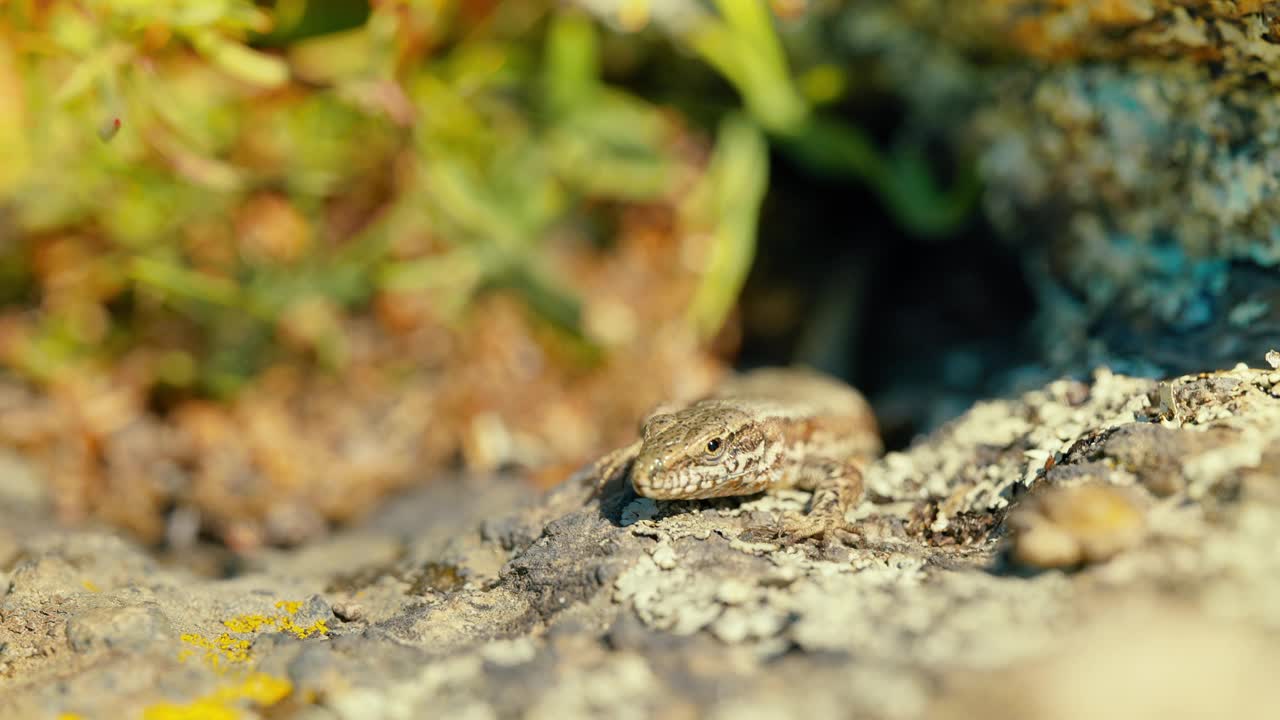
x=652 y=485
x=646 y=485
x=661 y=492
x=651 y=482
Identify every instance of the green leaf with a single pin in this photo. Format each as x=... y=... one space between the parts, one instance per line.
x=239 y=61
x=91 y=71
x=903 y=179
x=461 y=194
x=731 y=193
x=612 y=148
x=744 y=47
x=173 y=280
x=571 y=73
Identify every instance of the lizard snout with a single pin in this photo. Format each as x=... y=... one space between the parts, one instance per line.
x=644 y=475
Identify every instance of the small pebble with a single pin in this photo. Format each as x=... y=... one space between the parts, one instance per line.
x=349 y=611
x=664 y=556
x=1076 y=525
x=733 y=592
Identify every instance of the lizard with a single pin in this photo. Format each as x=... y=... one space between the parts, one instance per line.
x=761 y=430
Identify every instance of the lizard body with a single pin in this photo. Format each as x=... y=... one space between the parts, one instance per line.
x=771 y=428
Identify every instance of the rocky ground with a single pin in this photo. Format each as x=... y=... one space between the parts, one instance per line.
x=1107 y=549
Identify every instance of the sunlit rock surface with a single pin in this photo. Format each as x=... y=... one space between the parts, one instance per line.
x=452 y=603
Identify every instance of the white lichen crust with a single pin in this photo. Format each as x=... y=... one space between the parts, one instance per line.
x=642 y=608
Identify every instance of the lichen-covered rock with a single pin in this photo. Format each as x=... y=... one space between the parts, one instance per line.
x=1240 y=37
x=454 y=605
x=1127 y=149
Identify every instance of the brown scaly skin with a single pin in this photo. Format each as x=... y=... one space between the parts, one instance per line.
x=772 y=428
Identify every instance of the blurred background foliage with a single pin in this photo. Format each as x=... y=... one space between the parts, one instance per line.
x=263 y=262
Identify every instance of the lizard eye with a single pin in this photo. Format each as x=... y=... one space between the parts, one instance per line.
x=714 y=446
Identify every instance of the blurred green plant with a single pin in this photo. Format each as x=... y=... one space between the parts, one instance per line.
x=496 y=177
x=743 y=45
x=728 y=200
x=206 y=178
x=741 y=42
x=493 y=143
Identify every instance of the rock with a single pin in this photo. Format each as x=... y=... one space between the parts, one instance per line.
x=565 y=610
x=1109 y=167
x=127 y=629
x=1143 y=660
x=19 y=483
x=1069 y=526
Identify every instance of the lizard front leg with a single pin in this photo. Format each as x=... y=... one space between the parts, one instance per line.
x=837 y=487
x=611 y=465
x=608 y=467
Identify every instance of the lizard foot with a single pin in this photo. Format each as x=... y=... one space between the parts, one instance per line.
x=795 y=528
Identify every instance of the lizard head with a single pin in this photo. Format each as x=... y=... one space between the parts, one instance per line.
x=707 y=450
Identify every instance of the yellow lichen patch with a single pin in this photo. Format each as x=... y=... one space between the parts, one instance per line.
x=219 y=652
x=259 y=689
x=283 y=623
x=90 y=586
x=225 y=651
x=302 y=632
x=289 y=606
x=249 y=623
